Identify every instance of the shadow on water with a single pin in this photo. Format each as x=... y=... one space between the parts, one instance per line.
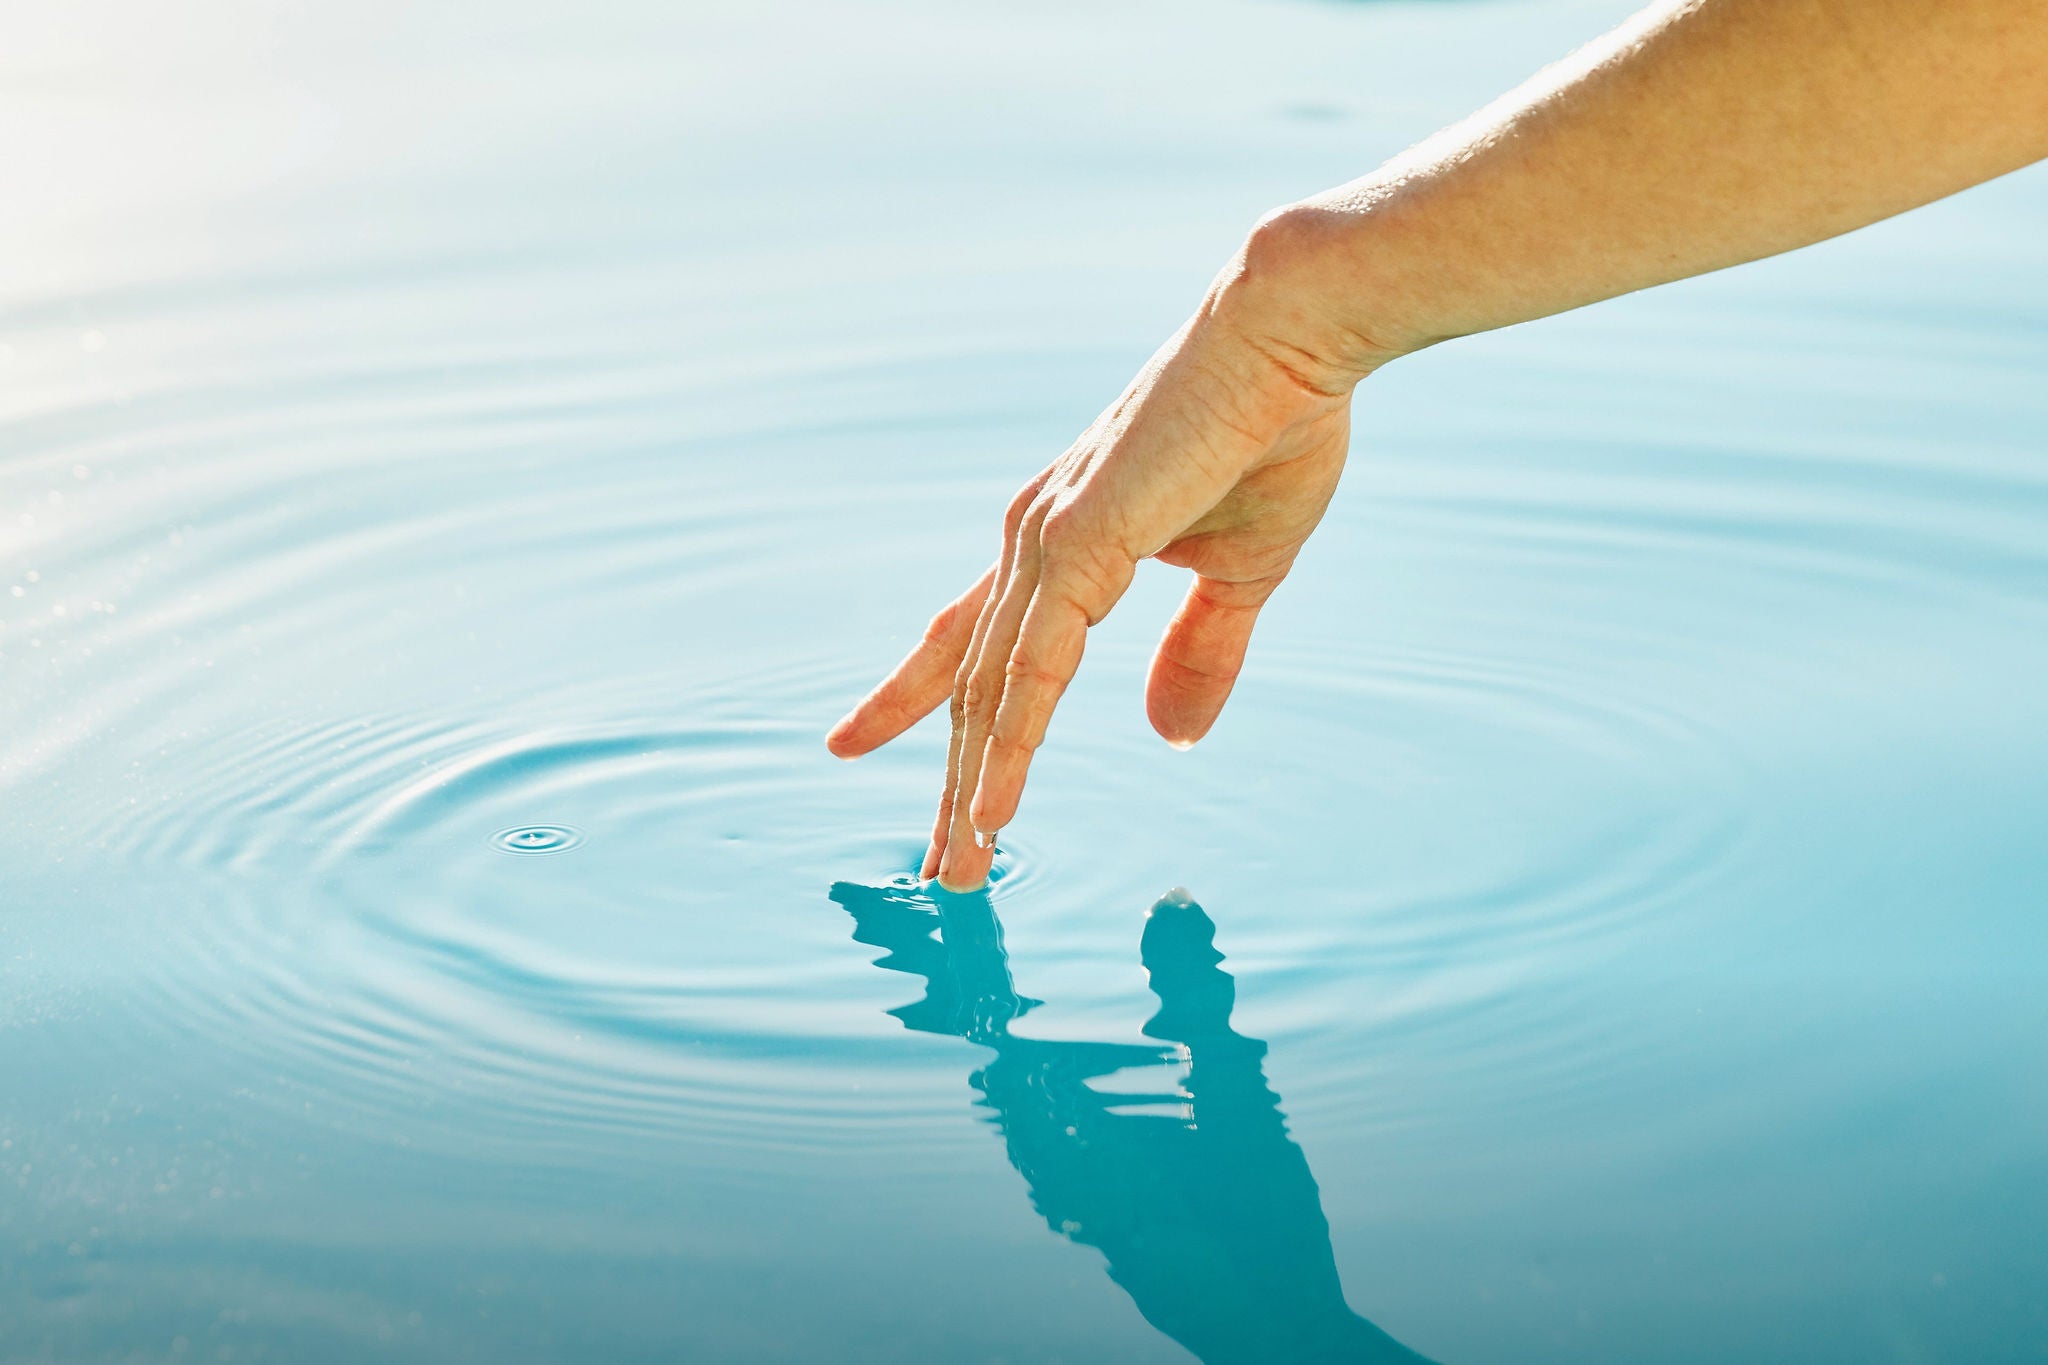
x=1208 y=1215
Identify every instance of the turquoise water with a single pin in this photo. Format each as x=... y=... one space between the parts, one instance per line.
x=455 y=464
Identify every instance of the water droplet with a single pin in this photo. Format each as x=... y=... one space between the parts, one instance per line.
x=537 y=839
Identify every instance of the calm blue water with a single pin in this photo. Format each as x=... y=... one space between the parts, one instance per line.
x=433 y=437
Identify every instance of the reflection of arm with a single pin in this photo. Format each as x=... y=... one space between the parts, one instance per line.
x=1212 y=1222
x=1213 y=1226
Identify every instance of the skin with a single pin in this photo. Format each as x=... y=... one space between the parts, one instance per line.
x=1699 y=135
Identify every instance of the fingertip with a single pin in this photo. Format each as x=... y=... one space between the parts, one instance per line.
x=985 y=815
x=863 y=730
x=964 y=866
x=1179 y=720
x=846 y=738
x=959 y=882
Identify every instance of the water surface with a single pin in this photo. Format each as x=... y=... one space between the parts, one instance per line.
x=455 y=466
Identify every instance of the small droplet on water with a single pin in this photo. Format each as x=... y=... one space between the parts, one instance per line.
x=537 y=839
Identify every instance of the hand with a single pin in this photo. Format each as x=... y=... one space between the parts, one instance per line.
x=1697 y=135
x=1219 y=458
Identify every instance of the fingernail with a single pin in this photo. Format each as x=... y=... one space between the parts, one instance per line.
x=985 y=839
x=1182 y=744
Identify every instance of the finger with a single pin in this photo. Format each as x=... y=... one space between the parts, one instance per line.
x=1200 y=657
x=1081 y=577
x=1048 y=651
x=1013 y=525
x=919 y=683
x=965 y=864
x=943 y=822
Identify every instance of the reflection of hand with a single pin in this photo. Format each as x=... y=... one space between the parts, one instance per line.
x=1219 y=458
x=1209 y=1218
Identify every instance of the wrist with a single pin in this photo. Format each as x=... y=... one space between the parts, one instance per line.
x=1312 y=289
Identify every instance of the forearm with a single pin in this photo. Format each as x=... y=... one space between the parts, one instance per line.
x=1697 y=136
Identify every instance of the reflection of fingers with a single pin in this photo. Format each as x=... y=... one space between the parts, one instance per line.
x=919 y=683
x=1048 y=650
x=1201 y=656
x=965 y=863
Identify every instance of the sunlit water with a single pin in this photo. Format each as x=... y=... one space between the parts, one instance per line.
x=455 y=464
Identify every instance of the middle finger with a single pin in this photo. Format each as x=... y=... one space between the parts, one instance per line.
x=965 y=861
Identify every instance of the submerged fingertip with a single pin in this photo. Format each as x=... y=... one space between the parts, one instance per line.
x=966 y=890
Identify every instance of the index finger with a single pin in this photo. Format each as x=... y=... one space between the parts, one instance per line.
x=919 y=683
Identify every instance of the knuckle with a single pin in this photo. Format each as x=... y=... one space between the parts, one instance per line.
x=1010 y=739
x=1060 y=530
x=1026 y=670
x=1019 y=510
x=1090 y=577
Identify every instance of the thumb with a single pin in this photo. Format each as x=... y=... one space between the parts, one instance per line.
x=1199 y=660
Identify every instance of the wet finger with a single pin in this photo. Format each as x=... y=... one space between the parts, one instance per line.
x=965 y=863
x=1013 y=524
x=943 y=822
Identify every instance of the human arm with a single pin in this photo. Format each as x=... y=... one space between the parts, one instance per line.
x=1698 y=135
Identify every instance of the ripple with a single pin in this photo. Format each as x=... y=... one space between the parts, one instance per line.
x=323 y=761
x=345 y=913
x=528 y=839
x=376 y=489
x=352 y=921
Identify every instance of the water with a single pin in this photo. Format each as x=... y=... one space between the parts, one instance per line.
x=434 y=439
